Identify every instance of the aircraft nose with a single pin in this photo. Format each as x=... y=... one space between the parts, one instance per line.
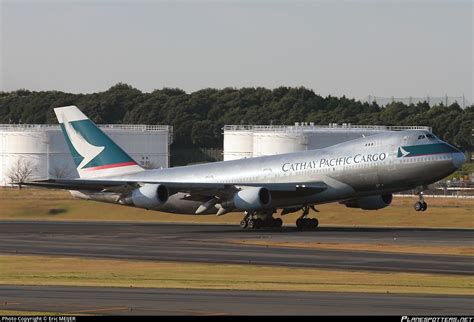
x=458 y=159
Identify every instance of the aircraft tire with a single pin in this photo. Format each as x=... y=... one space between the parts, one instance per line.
x=425 y=206
x=314 y=223
x=418 y=206
x=299 y=223
x=278 y=223
x=306 y=223
x=243 y=223
x=251 y=224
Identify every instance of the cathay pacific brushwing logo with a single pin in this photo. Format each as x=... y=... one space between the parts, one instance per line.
x=402 y=152
x=84 y=148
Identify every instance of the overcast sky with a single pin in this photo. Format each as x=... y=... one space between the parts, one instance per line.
x=356 y=48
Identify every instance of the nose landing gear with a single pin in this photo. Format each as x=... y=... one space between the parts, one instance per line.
x=420 y=205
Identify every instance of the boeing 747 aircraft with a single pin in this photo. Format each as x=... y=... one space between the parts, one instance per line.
x=362 y=173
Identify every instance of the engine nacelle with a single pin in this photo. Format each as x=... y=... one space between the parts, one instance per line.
x=148 y=196
x=250 y=198
x=370 y=202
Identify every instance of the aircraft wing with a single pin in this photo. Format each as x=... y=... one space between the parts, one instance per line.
x=198 y=189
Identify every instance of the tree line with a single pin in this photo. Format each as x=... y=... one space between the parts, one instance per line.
x=198 y=117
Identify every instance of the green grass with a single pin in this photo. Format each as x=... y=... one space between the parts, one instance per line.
x=37 y=204
x=68 y=271
x=29 y=313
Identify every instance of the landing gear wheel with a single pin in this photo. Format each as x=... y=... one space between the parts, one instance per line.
x=306 y=223
x=314 y=223
x=299 y=223
x=421 y=205
x=302 y=222
x=418 y=206
x=251 y=223
x=425 y=206
x=243 y=223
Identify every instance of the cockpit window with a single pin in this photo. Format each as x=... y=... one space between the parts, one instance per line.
x=429 y=136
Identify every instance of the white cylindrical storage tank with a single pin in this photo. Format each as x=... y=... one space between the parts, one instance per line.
x=60 y=163
x=278 y=139
x=324 y=137
x=43 y=149
x=238 y=143
x=277 y=142
x=23 y=151
x=148 y=148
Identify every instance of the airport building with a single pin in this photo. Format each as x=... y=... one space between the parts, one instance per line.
x=43 y=149
x=246 y=141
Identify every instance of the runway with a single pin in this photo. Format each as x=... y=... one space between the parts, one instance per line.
x=210 y=243
x=125 y=301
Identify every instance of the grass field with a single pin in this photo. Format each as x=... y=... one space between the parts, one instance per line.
x=42 y=204
x=29 y=313
x=43 y=270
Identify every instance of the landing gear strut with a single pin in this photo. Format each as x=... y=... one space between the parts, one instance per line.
x=420 y=205
x=306 y=223
x=253 y=220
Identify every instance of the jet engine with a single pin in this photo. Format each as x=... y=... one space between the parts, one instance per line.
x=148 y=196
x=370 y=202
x=251 y=198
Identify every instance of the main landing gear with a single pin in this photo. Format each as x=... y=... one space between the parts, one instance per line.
x=307 y=223
x=420 y=205
x=254 y=220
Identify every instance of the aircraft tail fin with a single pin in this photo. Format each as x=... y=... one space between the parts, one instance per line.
x=93 y=152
